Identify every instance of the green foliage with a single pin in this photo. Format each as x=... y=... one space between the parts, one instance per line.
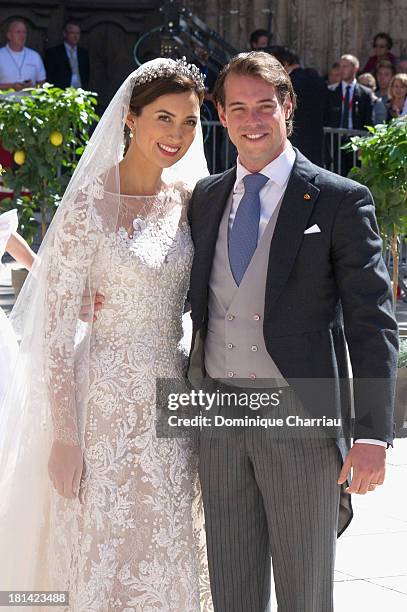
x=26 y=124
x=383 y=155
x=402 y=359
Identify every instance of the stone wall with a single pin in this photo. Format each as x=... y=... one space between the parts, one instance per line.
x=319 y=30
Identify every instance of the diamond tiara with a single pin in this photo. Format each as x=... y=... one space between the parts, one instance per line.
x=179 y=66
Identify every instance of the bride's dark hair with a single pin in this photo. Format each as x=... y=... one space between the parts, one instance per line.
x=145 y=94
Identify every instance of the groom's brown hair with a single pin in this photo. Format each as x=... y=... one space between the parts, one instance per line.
x=263 y=66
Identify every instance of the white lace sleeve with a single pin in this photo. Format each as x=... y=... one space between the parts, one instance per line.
x=8 y=225
x=68 y=277
x=186 y=192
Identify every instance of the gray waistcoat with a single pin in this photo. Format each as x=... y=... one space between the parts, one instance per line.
x=234 y=345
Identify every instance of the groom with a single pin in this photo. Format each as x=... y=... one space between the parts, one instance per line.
x=287 y=265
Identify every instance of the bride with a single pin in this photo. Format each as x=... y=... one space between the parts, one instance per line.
x=91 y=501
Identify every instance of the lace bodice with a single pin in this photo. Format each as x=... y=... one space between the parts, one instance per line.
x=140 y=264
x=147 y=273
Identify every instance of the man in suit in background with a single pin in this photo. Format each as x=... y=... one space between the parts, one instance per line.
x=311 y=92
x=349 y=105
x=67 y=65
x=259 y=39
x=287 y=261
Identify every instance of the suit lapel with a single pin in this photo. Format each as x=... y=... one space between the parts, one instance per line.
x=355 y=105
x=206 y=234
x=80 y=60
x=338 y=93
x=64 y=57
x=338 y=102
x=296 y=208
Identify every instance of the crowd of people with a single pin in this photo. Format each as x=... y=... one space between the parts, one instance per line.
x=280 y=264
x=66 y=65
x=347 y=97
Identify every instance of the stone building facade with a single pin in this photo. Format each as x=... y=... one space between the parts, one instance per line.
x=320 y=30
x=110 y=29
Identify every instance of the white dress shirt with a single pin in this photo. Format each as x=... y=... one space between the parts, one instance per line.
x=72 y=53
x=278 y=172
x=20 y=66
x=351 y=92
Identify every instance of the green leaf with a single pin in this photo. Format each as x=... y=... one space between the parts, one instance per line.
x=26 y=124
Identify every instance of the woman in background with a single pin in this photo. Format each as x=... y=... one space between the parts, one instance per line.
x=397 y=102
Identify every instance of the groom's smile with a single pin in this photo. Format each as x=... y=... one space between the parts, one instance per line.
x=254 y=136
x=255 y=118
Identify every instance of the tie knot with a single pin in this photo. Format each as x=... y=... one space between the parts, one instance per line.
x=254 y=182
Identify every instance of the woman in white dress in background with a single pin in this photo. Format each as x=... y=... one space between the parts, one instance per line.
x=14 y=244
x=91 y=500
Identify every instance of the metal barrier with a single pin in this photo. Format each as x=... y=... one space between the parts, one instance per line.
x=219 y=150
x=335 y=159
x=221 y=153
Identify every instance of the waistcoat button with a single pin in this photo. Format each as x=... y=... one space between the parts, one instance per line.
x=256 y=317
x=252 y=375
x=231 y=374
x=254 y=348
x=230 y=345
x=231 y=317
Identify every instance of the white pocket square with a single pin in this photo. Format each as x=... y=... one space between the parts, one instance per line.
x=314 y=229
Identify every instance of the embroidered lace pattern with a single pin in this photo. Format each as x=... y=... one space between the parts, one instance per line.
x=136 y=531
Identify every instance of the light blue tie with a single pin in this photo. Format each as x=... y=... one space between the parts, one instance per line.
x=245 y=230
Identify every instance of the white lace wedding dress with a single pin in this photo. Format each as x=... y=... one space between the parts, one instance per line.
x=136 y=533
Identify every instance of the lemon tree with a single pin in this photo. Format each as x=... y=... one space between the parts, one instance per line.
x=45 y=131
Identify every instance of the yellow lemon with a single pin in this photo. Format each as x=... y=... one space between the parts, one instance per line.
x=56 y=138
x=19 y=157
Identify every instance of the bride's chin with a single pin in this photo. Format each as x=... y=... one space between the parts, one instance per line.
x=168 y=163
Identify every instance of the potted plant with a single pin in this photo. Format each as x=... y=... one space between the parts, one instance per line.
x=383 y=155
x=46 y=130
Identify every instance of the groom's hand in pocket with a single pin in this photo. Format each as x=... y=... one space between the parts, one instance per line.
x=65 y=467
x=91 y=305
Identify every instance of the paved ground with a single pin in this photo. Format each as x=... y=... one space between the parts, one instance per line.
x=371 y=557
x=371 y=561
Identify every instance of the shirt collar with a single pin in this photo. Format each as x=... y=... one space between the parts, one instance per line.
x=68 y=47
x=278 y=170
x=344 y=85
x=11 y=50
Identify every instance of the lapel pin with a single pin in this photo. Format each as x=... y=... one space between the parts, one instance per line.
x=307 y=196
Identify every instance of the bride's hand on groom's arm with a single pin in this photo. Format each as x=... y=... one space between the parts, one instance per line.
x=89 y=307
x=368 y=463
x=65 y=467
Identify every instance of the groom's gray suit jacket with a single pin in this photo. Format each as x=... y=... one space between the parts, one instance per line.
x=320 y=290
